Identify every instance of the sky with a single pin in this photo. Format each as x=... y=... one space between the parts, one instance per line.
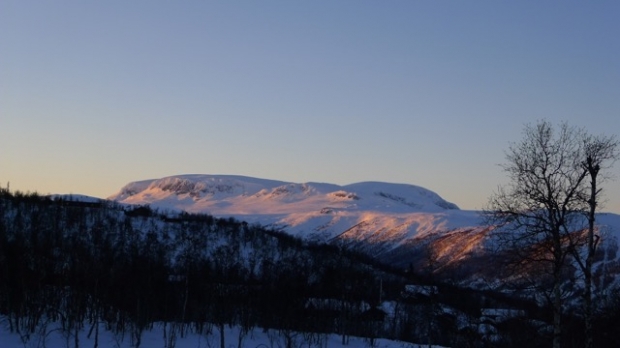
x=94 y=95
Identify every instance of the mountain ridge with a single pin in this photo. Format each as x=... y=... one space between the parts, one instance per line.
x=400 y=224
x=204 y=187
x=376 y=216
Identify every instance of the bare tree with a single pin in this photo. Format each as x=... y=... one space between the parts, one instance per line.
x=538 y=211
x=600 y=152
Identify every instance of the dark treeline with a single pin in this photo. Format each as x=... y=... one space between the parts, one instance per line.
x=92 y=265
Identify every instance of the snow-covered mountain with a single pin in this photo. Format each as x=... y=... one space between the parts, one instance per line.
x=393 y=222
x=247 y=195
x=398 y=223
x=373 y=211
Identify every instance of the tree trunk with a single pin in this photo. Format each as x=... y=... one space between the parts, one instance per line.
x=587 y=303
x=222 y=338
x=76 y=338
x=96 y=345
x=557 y=295
x=557 y=314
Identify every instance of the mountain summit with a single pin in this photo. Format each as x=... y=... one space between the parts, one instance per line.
x=239 y=195
x=391 y=213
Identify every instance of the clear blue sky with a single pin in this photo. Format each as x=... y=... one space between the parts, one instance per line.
x=94 y=94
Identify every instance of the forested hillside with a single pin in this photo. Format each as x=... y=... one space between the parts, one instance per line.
x=93 y=265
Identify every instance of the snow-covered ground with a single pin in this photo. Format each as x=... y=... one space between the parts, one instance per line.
x=51 y=337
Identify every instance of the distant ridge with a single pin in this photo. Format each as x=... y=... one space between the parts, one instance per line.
x=207 y=192
x=377 y=217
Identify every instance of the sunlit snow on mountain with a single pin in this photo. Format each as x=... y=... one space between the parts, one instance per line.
x=400 y=224
x=309 y=210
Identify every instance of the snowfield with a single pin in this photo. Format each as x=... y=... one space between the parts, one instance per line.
x=50 y=336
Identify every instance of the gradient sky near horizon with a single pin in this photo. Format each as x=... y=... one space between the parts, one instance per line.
x=95 y=94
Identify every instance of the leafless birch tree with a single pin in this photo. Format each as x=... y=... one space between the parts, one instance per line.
x=541 y=214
